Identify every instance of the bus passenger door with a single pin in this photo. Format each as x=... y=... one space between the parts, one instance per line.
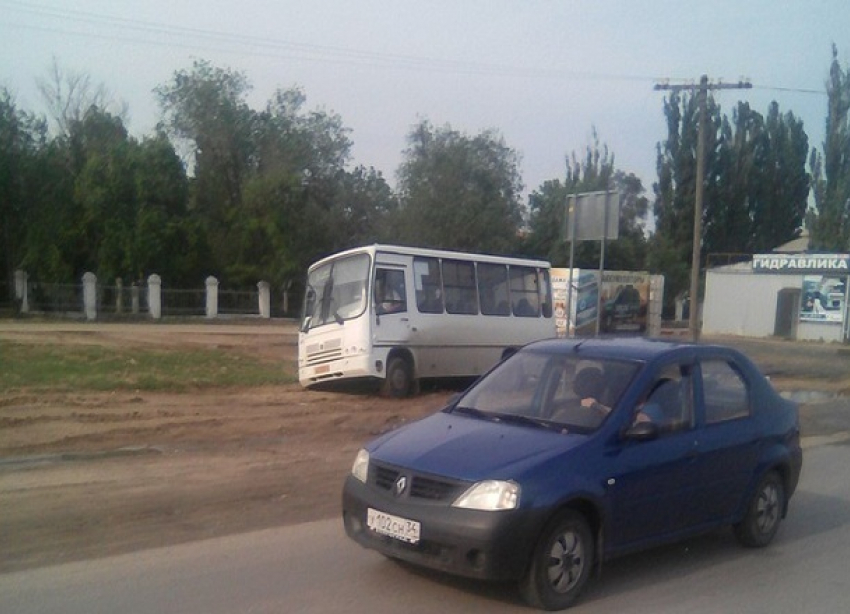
x=391 y=306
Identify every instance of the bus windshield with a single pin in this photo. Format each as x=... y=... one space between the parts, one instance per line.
x=336 y=291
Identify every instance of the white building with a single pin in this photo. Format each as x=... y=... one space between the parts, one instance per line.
x=787 y=293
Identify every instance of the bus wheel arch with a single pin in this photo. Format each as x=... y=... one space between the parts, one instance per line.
x=400 y=380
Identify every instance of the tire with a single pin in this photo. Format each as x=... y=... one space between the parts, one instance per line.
x=399 y=381
x=561 y=565
x=764 y=511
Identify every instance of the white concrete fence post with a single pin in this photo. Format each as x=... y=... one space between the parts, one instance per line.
x=21 y=290
x=212 y=297
x=155 y=296
x=265 y=299
x=90 y=296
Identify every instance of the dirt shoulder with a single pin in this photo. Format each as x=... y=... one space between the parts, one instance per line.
x=88 y=475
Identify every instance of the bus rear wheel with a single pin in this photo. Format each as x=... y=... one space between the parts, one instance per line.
x=399 y=380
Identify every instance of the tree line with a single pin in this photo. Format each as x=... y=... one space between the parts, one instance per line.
x=224 y=189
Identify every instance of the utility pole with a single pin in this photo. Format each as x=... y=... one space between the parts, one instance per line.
x=702 y=93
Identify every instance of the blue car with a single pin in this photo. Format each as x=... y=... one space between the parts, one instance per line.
x=571 y=452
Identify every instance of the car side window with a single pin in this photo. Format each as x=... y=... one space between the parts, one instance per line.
x=668 y=400
x=725 y=392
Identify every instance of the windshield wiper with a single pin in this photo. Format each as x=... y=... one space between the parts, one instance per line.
x=512 y=418
x=530 y=421
x=472 y=411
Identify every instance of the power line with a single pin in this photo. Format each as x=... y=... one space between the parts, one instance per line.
x=271 y=47
x=278 y=48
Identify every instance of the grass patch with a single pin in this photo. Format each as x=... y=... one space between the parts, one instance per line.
x=66 y=368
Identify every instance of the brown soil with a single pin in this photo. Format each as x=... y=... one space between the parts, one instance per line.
x=90 y=474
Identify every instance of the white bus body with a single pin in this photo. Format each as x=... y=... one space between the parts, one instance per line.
x=400 y=314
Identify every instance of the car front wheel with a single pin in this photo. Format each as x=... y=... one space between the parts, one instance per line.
x=561 y=564
x=761 y=520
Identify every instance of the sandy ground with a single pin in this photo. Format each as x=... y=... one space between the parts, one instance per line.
x=90 y=474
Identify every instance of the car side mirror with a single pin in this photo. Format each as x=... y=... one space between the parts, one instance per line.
x=641 y=431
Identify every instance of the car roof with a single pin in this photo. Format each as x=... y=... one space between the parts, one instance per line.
x=623 y=348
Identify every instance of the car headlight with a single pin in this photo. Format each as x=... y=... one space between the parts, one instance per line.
x=360 y=468
x=490 y=495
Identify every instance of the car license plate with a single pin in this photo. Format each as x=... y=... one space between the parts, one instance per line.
x=393 y=526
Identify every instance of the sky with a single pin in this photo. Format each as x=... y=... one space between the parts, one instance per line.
x=544 y=74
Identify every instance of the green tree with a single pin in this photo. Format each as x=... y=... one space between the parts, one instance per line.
x=829 y=223
x=21 y=138
x=104 y=191
x=595 y=171
x=100 y=201
x=167 y=239
x=363 y=210
x=756 y=196
x=266 y=184
x=459 y=191
x=756 y=186
x=205 y=109
x=779 y=197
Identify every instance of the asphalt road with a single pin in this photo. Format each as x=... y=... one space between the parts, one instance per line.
x=313 y=568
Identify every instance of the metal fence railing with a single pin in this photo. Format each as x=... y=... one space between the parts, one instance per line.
x=91 y=299
x=121 y=300
x=231 y=302
x=55 y=298
x=183 y=302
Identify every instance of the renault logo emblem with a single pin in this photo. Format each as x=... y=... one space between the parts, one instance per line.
x=400 y=486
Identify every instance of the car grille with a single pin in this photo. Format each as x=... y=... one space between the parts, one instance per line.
x=429 y=488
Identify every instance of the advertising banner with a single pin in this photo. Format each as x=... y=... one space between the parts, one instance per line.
x=625 y=298
x=823 y=298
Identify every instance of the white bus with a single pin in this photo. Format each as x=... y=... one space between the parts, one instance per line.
x=401 y=314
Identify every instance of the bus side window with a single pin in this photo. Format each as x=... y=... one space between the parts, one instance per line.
x=429 y=285
x=525 y=296
x=460 y=287
x=493 y=289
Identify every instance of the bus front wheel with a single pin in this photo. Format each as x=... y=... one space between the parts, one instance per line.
x=399 y=380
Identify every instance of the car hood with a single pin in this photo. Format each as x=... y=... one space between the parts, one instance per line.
x=469 y=448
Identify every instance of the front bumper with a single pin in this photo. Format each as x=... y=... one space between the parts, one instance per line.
x=350 y=367
x=470 y=543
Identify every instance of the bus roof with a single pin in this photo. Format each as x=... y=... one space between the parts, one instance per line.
x=434 y=253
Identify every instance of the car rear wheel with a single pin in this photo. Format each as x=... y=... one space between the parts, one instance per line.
x=561 y=564
x=763 y=514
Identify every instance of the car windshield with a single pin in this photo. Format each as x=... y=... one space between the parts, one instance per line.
x=547 y=389
x=336 y=291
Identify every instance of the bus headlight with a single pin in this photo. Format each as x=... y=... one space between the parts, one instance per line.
x=490 y=495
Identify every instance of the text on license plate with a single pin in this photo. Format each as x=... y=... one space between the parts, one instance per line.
x=394 y=526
